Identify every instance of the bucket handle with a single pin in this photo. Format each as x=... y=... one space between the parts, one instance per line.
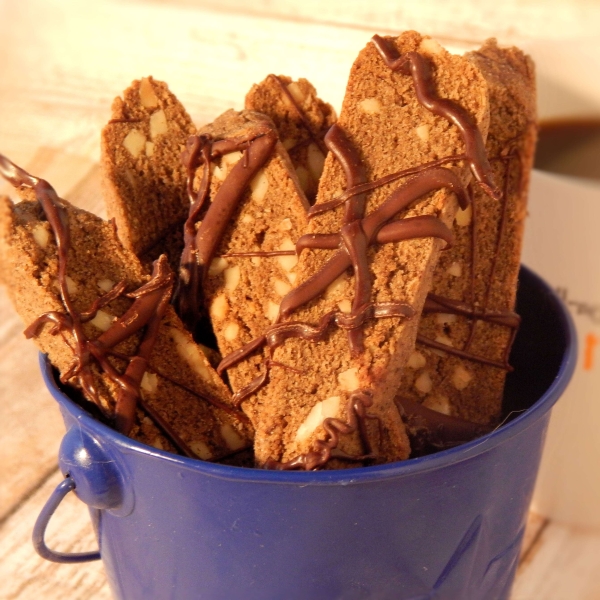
x=39 y=530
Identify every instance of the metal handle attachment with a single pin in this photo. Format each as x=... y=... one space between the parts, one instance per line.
x=62 y=489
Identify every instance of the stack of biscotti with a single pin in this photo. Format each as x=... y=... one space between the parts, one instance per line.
x=466 y=331
x=331 y=381
x=314 y=299
x=89 y=304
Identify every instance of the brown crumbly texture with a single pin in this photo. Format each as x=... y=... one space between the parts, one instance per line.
x=96 y=261
x=301 y=123
x=143 y=177
x=458 y=386
x=383 y=130
x=242 y=294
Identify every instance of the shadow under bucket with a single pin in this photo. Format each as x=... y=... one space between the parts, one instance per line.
x=444 y=526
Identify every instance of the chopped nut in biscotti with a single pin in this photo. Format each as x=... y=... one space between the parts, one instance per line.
x=386 y=277
x=144 y=180
x=302 y=120
x=99 y=296
x=475 y=281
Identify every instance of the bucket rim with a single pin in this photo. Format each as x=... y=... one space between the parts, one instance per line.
x=357 y=475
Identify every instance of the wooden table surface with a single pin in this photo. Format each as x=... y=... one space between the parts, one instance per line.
x=62 y=63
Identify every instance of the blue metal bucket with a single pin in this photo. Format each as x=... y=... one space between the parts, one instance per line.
x=444 y=526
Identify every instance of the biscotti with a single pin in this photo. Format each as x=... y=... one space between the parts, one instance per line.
x=240 y=258
x=348 y=327
x=302 y=120
x=108 y=327
x=143 y=177
x=466 y=331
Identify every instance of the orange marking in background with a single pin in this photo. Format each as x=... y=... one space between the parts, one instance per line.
x=591 y=341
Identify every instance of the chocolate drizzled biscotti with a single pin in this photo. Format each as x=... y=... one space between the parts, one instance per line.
x=247 y=211
x=302 y=120
x=144 y=180
x=466 y=331
x=108 y=327
x=409 y=136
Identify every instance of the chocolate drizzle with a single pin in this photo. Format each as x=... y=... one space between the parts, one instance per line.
x=200 y=243
x=417 y=66
x=358 y=232
x=278 y=333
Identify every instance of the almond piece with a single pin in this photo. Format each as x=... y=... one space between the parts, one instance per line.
x=423 y=383
x=348 y=380
x=200 y=449
x=259 y=186
x=219 y=307
x=217 y=266
x=41 y=235
x=149 y=382
x=287 y=263
x=463 y=217
x=455 y=269
x=232 y=277
x=148 y=97
x=231 y=331
x=416 y=360
x=320 y=411
x=232 y=438
x=281 y=287
x=461 y=377
x=370 y=106
x=105 y=285
x=103 y=320
x=422 y=132
x=316 y=161
x=158 y=124
x=135 y=142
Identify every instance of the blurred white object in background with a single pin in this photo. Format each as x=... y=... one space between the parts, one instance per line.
x=562 y=244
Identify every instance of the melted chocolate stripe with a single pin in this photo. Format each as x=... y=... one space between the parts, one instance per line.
x=397 y=201
x=156 y=303
x=417 y=66
x=322 y=207
x=277 y=334
x=507 y=318
x=200 y=245
x=462 y=353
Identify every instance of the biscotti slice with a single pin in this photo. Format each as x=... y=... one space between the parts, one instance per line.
x=108 y=327
x=144 y=180
x=468 y=325
x=240 y=252
x=302 y=120
x=409 y=134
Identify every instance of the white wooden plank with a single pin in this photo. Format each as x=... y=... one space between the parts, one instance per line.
x=26 y=576
x=57 y=91
x=563 y=565
x=471 y=20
